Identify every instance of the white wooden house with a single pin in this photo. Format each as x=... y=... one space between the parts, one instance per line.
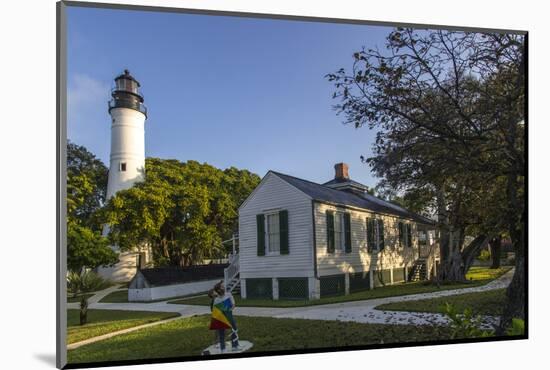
x=303 y=240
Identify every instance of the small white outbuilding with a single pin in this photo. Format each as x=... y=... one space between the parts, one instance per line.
x=168 y=282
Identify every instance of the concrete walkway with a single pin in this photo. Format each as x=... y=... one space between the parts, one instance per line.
x=98 y=296
x=365 y=312
x=357 y=311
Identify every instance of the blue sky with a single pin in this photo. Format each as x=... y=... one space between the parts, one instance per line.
x=228 y=91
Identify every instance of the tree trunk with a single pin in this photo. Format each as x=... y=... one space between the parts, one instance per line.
x=515 y=294
x=515 y=217
x=450 y=264
x=469 y=253
x=451 y=270
x=495 y=245
x=83 y=310
x=457 y=264
x=515 y=307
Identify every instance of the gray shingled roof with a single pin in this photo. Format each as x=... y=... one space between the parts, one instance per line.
x=323 y=193
x=343 y=181
x=160 y=276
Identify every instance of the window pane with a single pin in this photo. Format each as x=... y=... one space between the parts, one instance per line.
x=337 y=231
x=273 y=232
x=337 y=222
x=337 y=240
x=275 y=243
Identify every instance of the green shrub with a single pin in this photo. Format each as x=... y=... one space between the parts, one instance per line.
x=83 y=283
x=484 y=255
x=86 y=282
x=465 y=325
x=517 y=327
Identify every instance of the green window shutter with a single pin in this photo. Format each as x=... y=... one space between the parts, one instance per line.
x=381 y=232
x=347 y=231
x=401 y=234
x=409 y=235
x=260 y=228
x=283 y=231
x=370 y=234
x=330 y=232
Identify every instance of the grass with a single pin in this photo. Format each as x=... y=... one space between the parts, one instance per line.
x=481 y=303
x=118 y=296
x=107 y=321
x=121 y=296
x=71 y=299
x=476 y=276
x=189 y=336
x=482 y=273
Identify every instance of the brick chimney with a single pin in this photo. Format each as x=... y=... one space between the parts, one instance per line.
x=341 y=171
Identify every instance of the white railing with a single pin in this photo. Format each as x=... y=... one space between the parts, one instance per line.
x=231 y=271
x=233 y=242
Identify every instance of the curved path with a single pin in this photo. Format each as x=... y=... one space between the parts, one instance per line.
x=365 y=311
x=357 y=311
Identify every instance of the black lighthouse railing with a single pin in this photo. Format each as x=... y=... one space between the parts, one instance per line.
x=126 y=94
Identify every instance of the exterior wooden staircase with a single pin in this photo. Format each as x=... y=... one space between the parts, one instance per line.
x=419 y=270
x=232 y=280
x=231 y=274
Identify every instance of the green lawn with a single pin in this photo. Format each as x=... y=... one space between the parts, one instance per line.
x=106 y=321
x=482 y=303
x=121 y=296
x=71 y=299
x=118 y=296
x=481 y=273
x=476 y=276
x=189 y=336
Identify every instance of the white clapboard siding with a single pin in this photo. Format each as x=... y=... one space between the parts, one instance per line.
x=273 y=193
x=393 y=256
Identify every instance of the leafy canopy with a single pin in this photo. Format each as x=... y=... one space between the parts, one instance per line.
x=182 y=211
x=448 y=108
x=86 y=188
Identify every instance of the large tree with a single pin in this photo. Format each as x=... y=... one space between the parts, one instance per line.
x=182 y=210
x=449 y=110
x=86 y=187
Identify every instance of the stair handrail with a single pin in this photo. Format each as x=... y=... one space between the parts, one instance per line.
x=231 y=271
x=233 y=240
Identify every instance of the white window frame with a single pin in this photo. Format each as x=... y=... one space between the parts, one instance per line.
x=268 y=251
x=125 y=166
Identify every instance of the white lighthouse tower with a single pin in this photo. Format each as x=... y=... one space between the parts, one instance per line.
x=127 y=160
x=128 y=116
